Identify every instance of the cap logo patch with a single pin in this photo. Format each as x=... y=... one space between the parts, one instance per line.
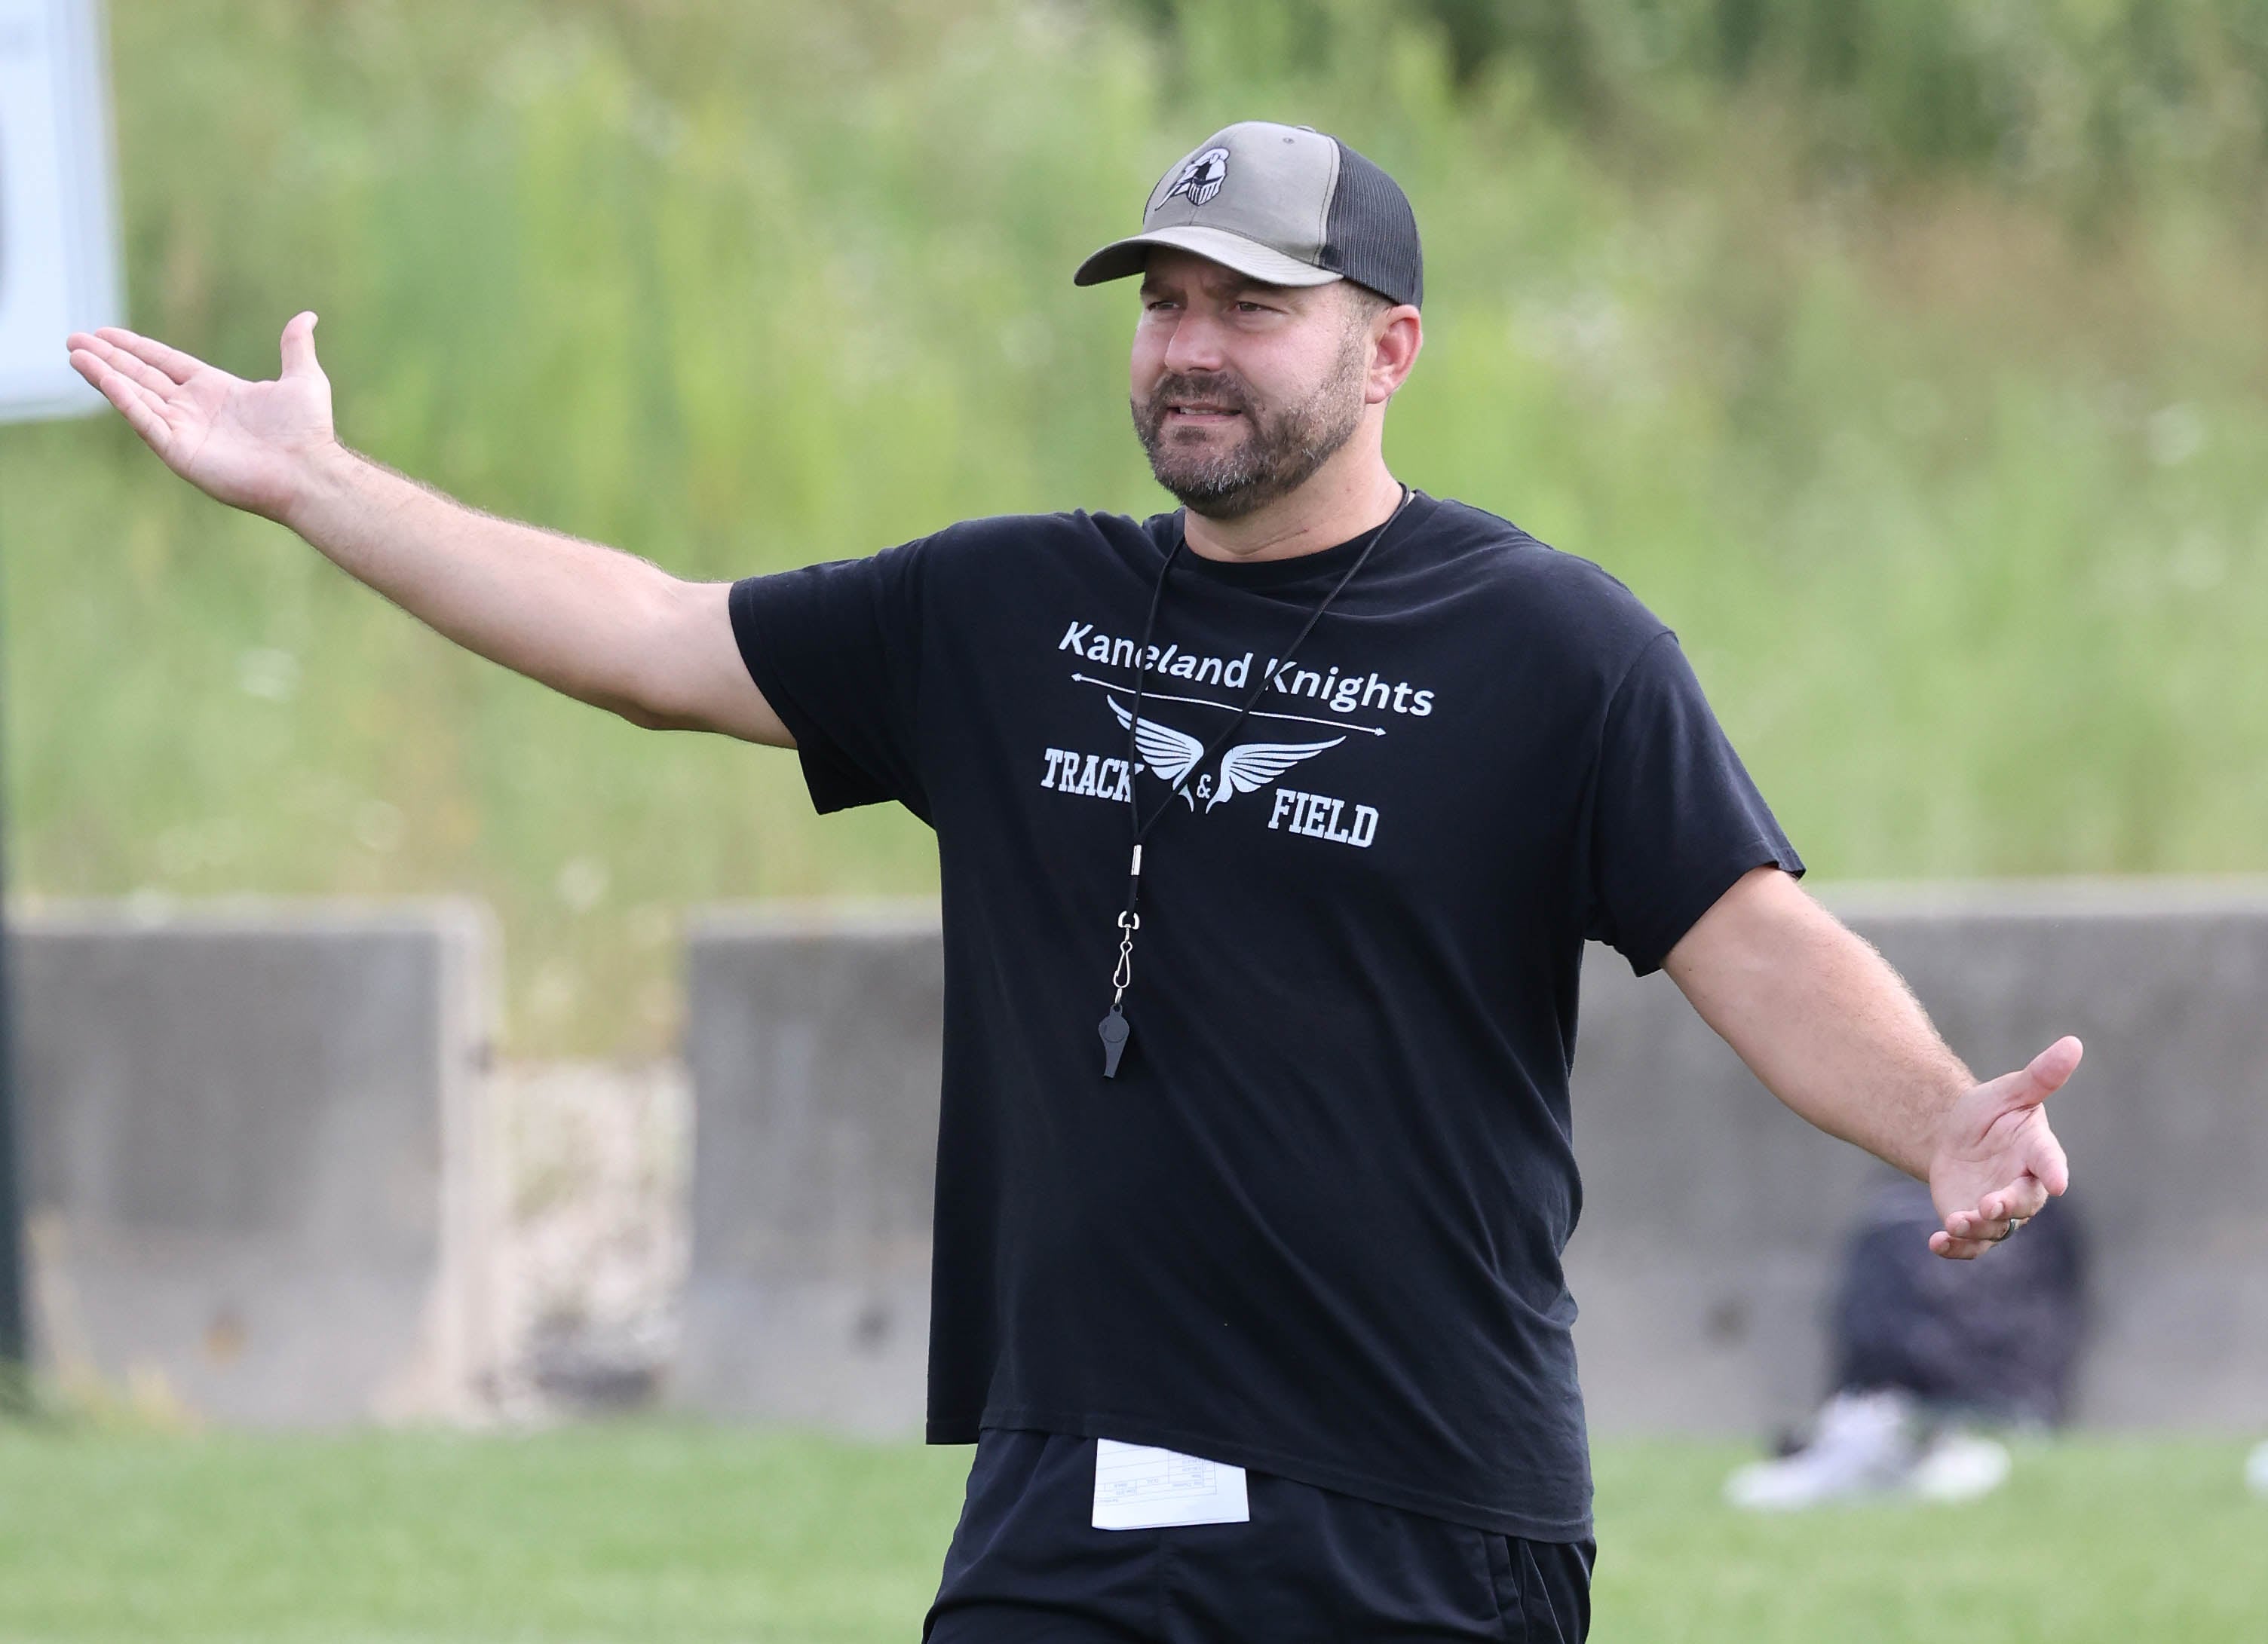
x=1200 y=178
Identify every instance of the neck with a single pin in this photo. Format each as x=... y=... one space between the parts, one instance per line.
x=1340 y=500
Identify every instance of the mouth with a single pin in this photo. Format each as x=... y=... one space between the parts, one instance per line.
x=1200 y=412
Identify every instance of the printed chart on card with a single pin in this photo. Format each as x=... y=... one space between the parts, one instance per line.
x=1138 y=1486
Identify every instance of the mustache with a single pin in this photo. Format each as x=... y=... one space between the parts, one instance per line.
x=1217 y=388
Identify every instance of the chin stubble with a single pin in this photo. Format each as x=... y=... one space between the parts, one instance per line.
x=1280 y=451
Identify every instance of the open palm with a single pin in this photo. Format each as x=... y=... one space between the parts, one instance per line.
x=1996 y=1158
x=245 y=444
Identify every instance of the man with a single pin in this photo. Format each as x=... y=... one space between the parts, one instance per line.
x=1270 y=833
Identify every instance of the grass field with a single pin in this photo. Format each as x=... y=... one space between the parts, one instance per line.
x=649 y=1532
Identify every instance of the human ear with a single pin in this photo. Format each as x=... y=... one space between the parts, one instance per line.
x=1396 y=335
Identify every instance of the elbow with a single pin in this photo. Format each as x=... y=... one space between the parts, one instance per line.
x=640 y=696
x=683 y=672
x=660 y=704
x=657 y=684
x=659 y=700
x=643 y=718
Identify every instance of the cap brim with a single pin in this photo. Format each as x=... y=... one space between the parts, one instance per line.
x=1124 y=258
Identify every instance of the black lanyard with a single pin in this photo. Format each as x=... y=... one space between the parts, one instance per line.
x=1114 y=1027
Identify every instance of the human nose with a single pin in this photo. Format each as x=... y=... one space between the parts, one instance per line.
x=1194 y=346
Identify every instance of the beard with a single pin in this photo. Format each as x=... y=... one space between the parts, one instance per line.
x=1282 y=446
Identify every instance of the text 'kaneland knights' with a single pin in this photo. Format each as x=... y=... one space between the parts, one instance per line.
x=1343 y=692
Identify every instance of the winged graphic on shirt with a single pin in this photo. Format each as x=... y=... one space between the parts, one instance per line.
x=1246 y=768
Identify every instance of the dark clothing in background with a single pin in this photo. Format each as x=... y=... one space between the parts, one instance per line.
x=1314 y=1229
x=1998 y=1337
x=1026 y=1565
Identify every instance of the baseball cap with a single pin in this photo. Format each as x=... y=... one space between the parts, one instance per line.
x=1286 y=204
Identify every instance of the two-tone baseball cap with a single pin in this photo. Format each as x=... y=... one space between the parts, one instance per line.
x=1284 y=204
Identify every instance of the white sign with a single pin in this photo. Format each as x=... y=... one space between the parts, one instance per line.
x=58 y=225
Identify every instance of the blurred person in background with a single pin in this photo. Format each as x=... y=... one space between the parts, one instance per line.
x=1255 y=1160
x=1926 y=1354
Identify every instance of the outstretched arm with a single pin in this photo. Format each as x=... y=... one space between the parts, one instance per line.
x=1830 y=1029
x=601 y=625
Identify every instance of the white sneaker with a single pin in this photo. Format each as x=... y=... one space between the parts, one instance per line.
x=2255 y=1471
x=1959 y=1466
x=1862 y=1445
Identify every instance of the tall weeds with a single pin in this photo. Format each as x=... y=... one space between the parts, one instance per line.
x=1952 y=490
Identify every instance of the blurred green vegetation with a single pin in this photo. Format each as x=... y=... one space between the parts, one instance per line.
x=2090 y=101
x=647 y=1531
x=1941 y=443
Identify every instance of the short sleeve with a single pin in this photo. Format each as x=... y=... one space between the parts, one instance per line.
x=1676 y=819
x=836 y=650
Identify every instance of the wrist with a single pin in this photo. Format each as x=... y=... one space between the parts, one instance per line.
x=1945 y=1134
x=319 y=480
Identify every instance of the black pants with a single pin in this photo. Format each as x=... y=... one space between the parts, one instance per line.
x=1026 y=1565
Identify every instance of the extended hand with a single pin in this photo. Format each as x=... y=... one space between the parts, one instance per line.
x=1996 y=1158
x=247 y=443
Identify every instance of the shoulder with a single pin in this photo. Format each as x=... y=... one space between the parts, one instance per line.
x=1552 y=599
x=997 y=536
x=1005 y=544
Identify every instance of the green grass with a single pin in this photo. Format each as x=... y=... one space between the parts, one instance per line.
x=1959 y=507
x=2091 y=1540
x=675 y=1533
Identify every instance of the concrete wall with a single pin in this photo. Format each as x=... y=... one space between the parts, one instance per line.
x=1714 y=1217
x=812 y=1041
x=254 y=1155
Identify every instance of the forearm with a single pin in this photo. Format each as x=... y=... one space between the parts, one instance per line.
x=1821 y=1020
x=590 y=621
x=603 y=627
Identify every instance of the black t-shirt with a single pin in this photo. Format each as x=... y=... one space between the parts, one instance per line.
x=1313 y=1227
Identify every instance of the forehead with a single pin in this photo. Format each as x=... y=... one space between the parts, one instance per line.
x=1168 y=267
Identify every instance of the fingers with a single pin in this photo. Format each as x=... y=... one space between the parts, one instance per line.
x=111 y=383
x=300 y=346
x=2047 y=1165
x=1957 y=1249
x=2025 y=1198
x=1972 y=1226
x=125 y=362
x=1968 y=1233
x=178 y=366
x=2045 y=1074
x=2037 y=1080
x=137 y=404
